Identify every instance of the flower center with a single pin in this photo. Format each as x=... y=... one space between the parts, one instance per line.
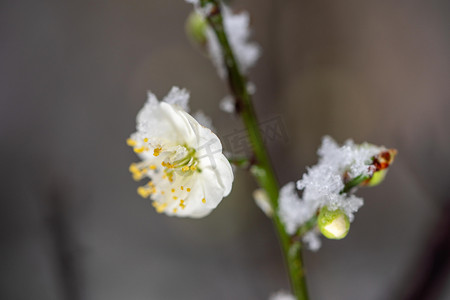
x=171 y=169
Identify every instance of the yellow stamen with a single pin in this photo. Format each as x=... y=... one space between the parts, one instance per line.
x=152 y=167
x=131 y=142
x=181 y=187
x=173 y=190
x=159 y=206
x=145 y=140
x=204 y=200
x=193 y=168
x=143 y=192
x=175 y=197
x=157 y=151
x=182 y=205
x=175 y=210
x=139 y=150
x=188 y=189
x=185 y=169
x=137 y=176
x=133 y=168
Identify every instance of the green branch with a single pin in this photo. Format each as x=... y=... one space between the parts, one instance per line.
x=262 y=169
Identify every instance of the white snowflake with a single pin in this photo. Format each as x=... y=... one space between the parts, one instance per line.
x=282 y=295
x=292 y=210
x=312 y=241
x=238 y=32
x=227 y=104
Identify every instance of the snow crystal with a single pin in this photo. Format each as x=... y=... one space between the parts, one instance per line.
x=178 y=97
x=312 y=241
x=292 y=210
x=237 y=29
x=282 y=295
x=324 y=182
x=352 y=158
x=251 y=88
x=227 y=104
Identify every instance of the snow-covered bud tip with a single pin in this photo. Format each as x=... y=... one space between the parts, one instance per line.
x=379 y=167
x=333 y=224
x=196 y=28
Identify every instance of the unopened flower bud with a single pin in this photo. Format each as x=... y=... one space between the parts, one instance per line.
x=263 y=201
x=333 y=224
x=376 y=178
x=196 y=28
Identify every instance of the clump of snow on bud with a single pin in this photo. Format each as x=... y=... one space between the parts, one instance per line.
x=227 y=104
x=282 y=295
x=312 y=241
x=323 y=182
x=352 y=158
x=292 y=210
x=263 y=202
x=238 y=31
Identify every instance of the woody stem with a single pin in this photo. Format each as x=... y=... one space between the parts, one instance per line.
x=262 y=170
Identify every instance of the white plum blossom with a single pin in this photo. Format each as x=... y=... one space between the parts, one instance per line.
x=323 y=184
x=238 y=31
x=282 y=295
x=188 y=173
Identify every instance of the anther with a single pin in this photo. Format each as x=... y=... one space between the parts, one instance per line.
x=156 y=151
x=131 y=142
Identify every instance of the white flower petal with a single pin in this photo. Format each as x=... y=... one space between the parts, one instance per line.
x=189 y=174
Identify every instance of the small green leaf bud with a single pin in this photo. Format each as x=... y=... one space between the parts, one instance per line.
x=196 y=28
x=333 y=224
x=376 y=178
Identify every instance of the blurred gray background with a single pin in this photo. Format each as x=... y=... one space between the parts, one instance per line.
x=73 y=75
